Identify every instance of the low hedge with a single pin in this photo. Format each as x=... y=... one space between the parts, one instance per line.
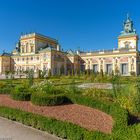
x=67 y=130
x=5 y=90
x=120 y=115
x=21 y=96
x=43 y=99
x=21 y=93
x=62 y=129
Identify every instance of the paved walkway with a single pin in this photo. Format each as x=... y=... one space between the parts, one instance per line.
x=10 y=130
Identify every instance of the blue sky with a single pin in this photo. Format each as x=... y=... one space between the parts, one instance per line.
x=84 y=24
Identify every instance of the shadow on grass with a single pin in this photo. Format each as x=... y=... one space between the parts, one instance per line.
x=133 y=119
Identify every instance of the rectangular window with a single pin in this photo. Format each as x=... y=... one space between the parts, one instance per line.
x=124 y=69
x=82 y=68
x=108 y=68
x=95 y=68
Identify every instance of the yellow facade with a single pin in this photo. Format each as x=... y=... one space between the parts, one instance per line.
x=34 y=51
x=38 y=52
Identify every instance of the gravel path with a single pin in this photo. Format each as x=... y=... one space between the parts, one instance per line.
x=10 y=130
x=89 y=118
x=96 y=85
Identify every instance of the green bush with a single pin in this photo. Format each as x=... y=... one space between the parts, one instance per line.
x=5 y=90
x=21 y=96
x=68 y=130
x=62 y=129
x=21 y=93
x=43 y=99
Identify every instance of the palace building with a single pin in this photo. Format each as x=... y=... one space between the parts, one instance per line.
x=38 y=52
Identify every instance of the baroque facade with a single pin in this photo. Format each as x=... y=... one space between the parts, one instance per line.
x=38 y=52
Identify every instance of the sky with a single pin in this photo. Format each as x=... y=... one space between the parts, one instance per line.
x=77 y=24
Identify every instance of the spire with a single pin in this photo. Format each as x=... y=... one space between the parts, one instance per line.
x=127 y=15
x=128 y=27
x=128 y=18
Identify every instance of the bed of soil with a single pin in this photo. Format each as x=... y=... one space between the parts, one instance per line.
x=86 y=117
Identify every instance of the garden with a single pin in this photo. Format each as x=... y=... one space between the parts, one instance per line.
x=119 y=106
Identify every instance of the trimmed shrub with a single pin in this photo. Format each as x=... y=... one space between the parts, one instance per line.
x=21 y=96
x=5 y=90
x=21 y=93
x=67 y=130
x=62 y=129
x=43 y=99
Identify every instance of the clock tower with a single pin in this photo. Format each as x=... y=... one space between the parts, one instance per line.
x=128 y=39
